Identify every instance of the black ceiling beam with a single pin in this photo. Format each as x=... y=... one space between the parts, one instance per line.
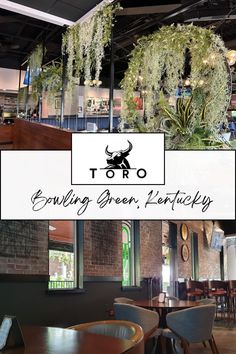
x=23 y=38
x=160 y=20
x=186 y=7
x=145 y=10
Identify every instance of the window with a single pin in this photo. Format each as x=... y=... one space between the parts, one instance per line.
x=130 y=253
x=65 y=255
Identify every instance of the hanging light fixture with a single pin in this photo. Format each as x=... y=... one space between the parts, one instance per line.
x=231 y=57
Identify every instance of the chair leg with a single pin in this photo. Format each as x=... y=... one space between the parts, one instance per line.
x=163 y=344
x=185 y=346
x=204 y=344
x=212 y=346
x=214 y=343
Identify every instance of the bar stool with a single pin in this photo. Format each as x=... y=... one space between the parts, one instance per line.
x=194 y=290
x=232 y=298
x=218 y=290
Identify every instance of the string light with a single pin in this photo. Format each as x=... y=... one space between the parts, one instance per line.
x=187 y=82
x=231 y=57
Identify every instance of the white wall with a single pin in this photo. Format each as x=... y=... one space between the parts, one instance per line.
x=230 y=258
x=73 y=99
x=9 y=79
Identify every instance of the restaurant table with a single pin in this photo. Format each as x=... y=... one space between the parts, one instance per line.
x=50 y=340
x=163 y=308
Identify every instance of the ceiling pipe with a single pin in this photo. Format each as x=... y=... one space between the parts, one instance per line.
x=186 y=7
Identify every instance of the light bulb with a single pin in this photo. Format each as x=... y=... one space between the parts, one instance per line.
x=187 y=82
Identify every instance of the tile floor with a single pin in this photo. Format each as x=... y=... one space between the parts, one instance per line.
x=225 y=340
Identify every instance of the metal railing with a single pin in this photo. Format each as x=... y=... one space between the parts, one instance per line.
x=61 y=284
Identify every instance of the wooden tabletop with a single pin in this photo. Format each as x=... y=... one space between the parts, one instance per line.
x=50 y=340
x=170 y=304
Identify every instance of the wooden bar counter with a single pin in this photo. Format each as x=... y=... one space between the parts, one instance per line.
x=32 y=135
x=6 y=136
x=26 y=135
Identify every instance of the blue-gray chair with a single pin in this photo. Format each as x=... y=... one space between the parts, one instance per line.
x=147 y=319
x=193 y=325
x=207 y=301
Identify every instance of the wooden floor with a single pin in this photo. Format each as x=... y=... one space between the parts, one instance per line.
x=225 y=340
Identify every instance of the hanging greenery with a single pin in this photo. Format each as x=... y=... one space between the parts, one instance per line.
x=35 y=61
x=49 y=80
x=186 y=59
x=22 y=95
x=84 y=44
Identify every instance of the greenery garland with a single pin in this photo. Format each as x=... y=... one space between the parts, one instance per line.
x=84 y=44
x=35 y=61
x=158 y=64
x=49 y=80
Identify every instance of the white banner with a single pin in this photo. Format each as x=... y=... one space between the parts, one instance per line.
x=198 y=185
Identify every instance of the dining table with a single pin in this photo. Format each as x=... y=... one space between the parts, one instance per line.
x=52 y=340
x=163 y=308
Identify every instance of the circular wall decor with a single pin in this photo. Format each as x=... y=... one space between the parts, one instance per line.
x=185 y=253
x=184 y=231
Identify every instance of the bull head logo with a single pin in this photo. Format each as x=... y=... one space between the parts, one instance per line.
x=117 y=159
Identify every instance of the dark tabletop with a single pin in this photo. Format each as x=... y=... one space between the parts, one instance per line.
x=50 y=340
x=170 y=304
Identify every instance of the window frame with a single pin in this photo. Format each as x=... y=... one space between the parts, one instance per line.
x=135 y=257
x=79 y=262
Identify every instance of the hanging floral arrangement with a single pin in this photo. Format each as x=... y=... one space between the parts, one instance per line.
x=49 y=80
x=35 y=61
x=22 y=95
x=84 y=44
x=181 y=72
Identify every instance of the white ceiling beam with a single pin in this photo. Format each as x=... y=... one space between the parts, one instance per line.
x=146 y=10
x=30 y=12
x=93 y=10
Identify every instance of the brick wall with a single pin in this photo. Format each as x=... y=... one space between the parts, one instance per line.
x=150 y=248
x=209 y=259
x=24 y=247
x=103 y=248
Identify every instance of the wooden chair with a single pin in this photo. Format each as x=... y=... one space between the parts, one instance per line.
x=232 y=297
x=194 y=289
x=123 y=300
x=218 y=290
x=113 y=328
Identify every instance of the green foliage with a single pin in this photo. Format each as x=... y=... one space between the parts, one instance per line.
x=22 y=95
x=85 y=43
x=35 y=60
x=158 y=64
x=61 y=257
x=49 y=80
